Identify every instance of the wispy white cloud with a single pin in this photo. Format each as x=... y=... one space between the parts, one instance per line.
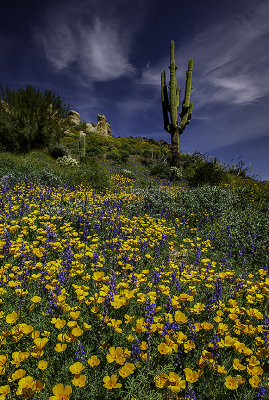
x=230 y=64
x=94 y=36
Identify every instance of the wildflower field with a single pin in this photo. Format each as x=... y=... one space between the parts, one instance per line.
x=105 y=296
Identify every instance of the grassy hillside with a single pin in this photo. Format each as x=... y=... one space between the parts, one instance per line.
x=123 y=279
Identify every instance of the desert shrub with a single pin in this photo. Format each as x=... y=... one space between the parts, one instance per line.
x=129 y=148
x=45 y=175
x=160 y=170
x=145 y=184
x=208 y=172
x=118 y=156
x=124 y=155
x=79 y=127
x=90 y=173
x=127 y=173
x=57 y=150
x=30 y=120
x=155 y=202
x=208 y=199
x=239 y=169
x=67 y=161
x=176 y=173
x=94 y=151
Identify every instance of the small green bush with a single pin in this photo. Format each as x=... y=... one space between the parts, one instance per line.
x=57 y=150
x=30 y=120
x=205 y=199
x=128 y=174
x=160 y=170
x=118 y=156
x=67 y=161
x=91 y=173
x=94 y=151
x=208 y=172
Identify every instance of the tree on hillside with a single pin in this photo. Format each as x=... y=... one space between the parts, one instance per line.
x=30 y=120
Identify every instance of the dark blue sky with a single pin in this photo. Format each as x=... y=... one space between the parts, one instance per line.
x=106 y=57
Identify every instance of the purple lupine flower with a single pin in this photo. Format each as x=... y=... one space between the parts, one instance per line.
x=52 y=302
x=224 y=260
x=7 y=244
x=133 y=281
x=230 y=245
x=50 y=237
x=80 y=352
x=215 y=347
x=212 y=235
x=168 y=305
x=173 y=277
x=260 y=395
x=112 y=285
x=178 y=285
x=177 y=360
x=149 y=320
x=156 y=275
x=136 y=350
x=66 y=263
x=167 y=326
x=192 y=335
x=86 y=228
x=191 y=395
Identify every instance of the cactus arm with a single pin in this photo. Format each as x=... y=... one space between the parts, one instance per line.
x=186 y=112
x=188 y=84
x=173 y=86
x=165 y=103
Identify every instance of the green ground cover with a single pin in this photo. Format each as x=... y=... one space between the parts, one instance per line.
x=136 y=288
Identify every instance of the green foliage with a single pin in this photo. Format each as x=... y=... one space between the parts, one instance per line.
x=145 y=184
x=57 y=150
x=67 y=161
x=155 y=201
x=92 y=173
x=208 y=172
x=124 y=146
x=160 y=170
x=94 y=151
x=79 y=127
x=217 y=228
x=118 y=156
x=128 y=174
x=176 y=173
x=205 y=199
x=40 y=168
x=30 y=120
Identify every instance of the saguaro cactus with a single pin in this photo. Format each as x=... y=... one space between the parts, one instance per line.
x=173 y=127
x=82 y=141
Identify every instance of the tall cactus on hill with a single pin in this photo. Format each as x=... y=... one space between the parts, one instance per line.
x=173 y=127
x=82 y=142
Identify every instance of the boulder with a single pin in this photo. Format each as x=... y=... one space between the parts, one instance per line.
x=102 y=127
x=74 y=117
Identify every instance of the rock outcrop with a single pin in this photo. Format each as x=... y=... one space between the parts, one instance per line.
x=74 y=117
x=102 y=127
